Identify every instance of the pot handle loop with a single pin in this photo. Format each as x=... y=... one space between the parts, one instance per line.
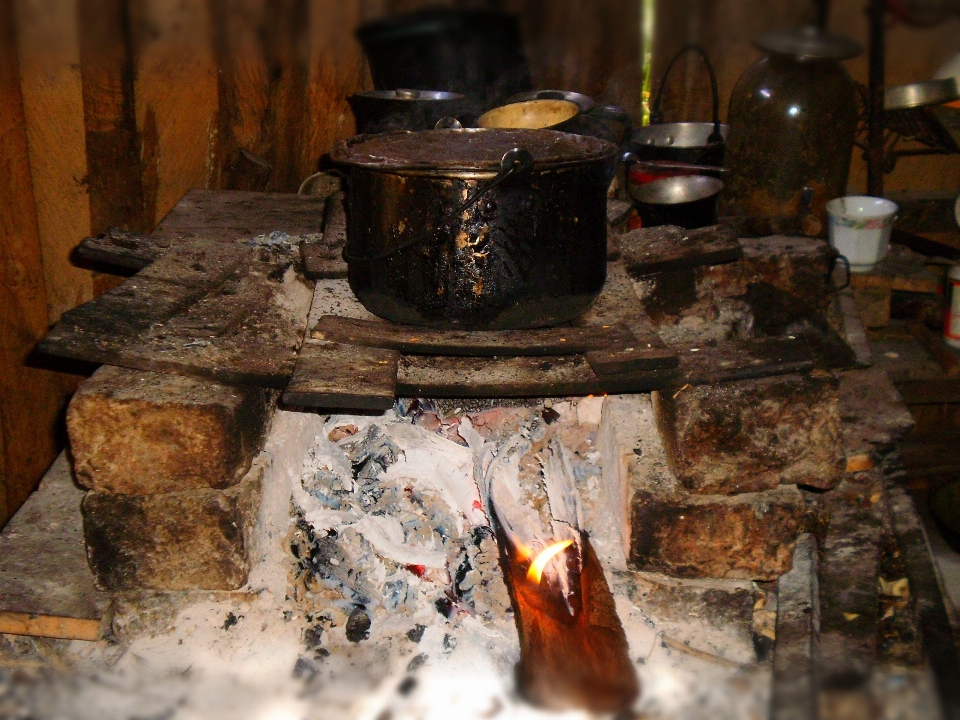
x=448 y=123
x=656 y=114
x=614 y=113
x=516 y=161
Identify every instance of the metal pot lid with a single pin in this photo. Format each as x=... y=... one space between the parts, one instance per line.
x=582 y=101
x=810 y=42
x=920 y=94
x=403 y=94
x=473 y=149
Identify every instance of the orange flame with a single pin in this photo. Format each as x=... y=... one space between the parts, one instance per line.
x=535 y=573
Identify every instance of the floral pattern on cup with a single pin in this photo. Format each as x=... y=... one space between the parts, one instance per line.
x=863 y=224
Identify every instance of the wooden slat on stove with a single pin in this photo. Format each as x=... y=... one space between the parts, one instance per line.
x=552 y=376
x=213 y=215
x=332 y=375
x=704 y=364
x=423 y=341
x=658 y=249
x=612 y=361
x=232 y=317
x=323 y=258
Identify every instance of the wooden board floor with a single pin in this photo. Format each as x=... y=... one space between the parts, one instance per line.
x=46 y=586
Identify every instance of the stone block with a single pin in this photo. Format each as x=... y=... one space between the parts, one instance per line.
x=667 y=529
x=138 y=433
x=754 y=435
x=800 y=266
x=189 y=540
x=739 y=536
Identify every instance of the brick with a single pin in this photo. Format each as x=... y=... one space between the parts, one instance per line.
x=740 y=536
x=187 y=540
x=136 y=433
x=666 y=529
x=799 y=266
x=754 y=435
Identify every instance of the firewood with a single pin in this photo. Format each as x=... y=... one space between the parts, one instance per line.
x=573 y=650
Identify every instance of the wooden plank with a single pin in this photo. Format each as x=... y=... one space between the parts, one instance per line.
x=336 y=68
x=931 y=613
x=660 y=249
x=112 y=143
x=49 y=55
x=628 y=359
x=248 y=331
x=332 y=375
x=30 y=399
x=243 y=88
x=794 y=692
x=232 y=215
x=49 y=626
x=46 y=585
x=121 y=251
x=324 y=259
x=424 y=341
x=743 y=360
x=175 y=96
x=558 y=375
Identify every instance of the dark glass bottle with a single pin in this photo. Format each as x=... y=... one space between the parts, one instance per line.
x=793 y=118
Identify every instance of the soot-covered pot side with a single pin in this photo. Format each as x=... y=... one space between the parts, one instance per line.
x=530 y=252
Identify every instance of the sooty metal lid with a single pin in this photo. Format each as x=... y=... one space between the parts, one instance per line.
x=474 y=149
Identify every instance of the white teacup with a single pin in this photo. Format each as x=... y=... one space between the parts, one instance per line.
x=860 y=228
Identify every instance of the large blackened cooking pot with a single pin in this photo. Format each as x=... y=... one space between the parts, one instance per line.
x=477 y=228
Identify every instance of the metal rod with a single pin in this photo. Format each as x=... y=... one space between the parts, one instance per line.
x=876 y=12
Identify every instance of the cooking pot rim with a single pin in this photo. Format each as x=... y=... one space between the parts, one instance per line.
x=412 y=95
x=593 y=150
x=691 y=134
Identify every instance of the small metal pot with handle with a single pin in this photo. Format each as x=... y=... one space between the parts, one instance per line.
x=387 y=110
x=698 y=143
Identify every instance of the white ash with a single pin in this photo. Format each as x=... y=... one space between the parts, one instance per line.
x=351 y=629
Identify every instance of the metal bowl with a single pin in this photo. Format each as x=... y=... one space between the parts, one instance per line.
x=676 y=190
x=921 y=94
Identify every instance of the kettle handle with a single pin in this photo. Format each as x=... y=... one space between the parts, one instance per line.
x=656 y=114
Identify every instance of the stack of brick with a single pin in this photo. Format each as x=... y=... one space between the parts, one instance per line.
x=719 y=497
x=165 y=459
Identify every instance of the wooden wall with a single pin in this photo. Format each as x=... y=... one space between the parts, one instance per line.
x=726 y=28
x=110 y=110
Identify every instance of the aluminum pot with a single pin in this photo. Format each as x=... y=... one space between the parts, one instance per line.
x=698 y=143
x=477 y=228
x=386 y=110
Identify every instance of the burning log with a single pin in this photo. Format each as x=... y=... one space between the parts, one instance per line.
x=573 y=651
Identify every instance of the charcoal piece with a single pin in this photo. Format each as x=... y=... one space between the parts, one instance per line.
x=358 y=625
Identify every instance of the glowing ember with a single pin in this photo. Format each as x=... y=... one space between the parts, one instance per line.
x=535 y=573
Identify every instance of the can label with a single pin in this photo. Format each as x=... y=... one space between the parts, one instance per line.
x=951 y=325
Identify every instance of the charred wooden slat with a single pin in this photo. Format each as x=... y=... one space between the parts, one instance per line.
x=554 y=375
x=613 y=361
x=577 y=660
x=332 y=375
x=658 y=249
x=121 y=249
x=324 y=259
x=743 y=360
x=484 y=343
